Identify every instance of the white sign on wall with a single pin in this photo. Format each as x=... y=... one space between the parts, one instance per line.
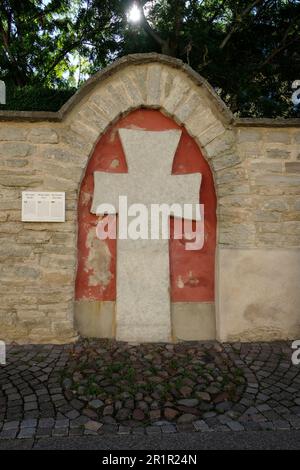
x=43 y=206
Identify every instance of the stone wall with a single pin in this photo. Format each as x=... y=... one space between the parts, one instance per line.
x=38 y=260
x=259 y=296
x=256 y=167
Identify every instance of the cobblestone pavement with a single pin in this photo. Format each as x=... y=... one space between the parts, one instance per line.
x=98 y=387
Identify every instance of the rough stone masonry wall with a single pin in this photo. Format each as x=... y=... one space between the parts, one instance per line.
x=257 y=176
x=38 y=260
x=272 y=165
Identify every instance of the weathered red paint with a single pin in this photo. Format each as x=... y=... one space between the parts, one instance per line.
x=192 y=272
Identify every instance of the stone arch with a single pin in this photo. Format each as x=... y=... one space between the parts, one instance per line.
x=157 y=82
x=164 y=84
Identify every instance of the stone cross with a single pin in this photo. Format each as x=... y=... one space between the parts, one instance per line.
x=143 y=275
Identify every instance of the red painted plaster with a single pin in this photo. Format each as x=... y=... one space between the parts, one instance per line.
x=192 y=272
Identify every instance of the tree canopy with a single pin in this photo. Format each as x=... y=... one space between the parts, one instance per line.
x=247 y=49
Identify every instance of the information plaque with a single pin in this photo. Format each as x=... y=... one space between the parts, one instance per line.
x=40 y=206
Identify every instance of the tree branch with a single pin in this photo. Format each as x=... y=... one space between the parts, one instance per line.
x=282 y=45
x=237 y=21
x=164 y=44
x=61 y=56
x=13 y=63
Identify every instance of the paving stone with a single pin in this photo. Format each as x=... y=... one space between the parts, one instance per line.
x=168 y=429
x=29 y=423
x=90 y=433
x=30 y=398
x=209 y=414
x=153 y=430
x=223 y=406
x=138 y=415
x=170 y=413
x=251 y=426
x=11 y=425
x=220 y=428
x=281 y=425
x=224 y=419
x=60 y=432
x=124 y=430
x=81 y=420
x=235 y=426
x=93 y=426
x=155 y=414
x=110 y=428
x=72 y=414
x=61 y=423
x=26 y=433
x=8 y=434
x=138 y=430
x=204 y=396
x=96 y=404
x=201 y=426
x=189 y=402
x=263 y=407
x=43 y=432
x=76 y=432
x=30 y=406
x=161 y=423
x=185 y=427
x=295 y=422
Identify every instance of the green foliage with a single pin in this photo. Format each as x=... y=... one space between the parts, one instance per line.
x=247 y=49
x=36 y=98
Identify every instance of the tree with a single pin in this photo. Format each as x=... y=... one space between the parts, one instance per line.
x=39 y=39
x=247 y=49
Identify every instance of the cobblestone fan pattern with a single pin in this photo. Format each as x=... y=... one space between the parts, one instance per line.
x=95 y=387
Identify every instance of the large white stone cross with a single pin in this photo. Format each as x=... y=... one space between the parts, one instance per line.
x=143 y=275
